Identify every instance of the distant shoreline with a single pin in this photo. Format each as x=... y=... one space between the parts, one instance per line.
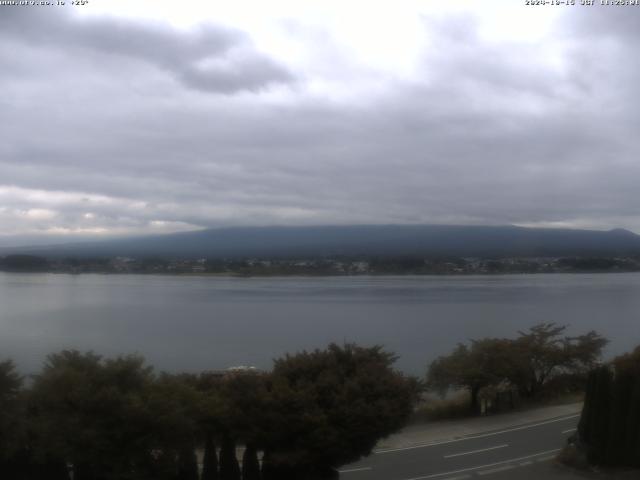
x=311 y=275
x=318 y=266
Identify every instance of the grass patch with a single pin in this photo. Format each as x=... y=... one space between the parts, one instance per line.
x=456 y=406
x=435 y=408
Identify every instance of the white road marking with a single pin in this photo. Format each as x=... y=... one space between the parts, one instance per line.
x=460 y=477
x=527 y=463
x=545 y=459
x=569 y=430
x=476 y=451
x=473 y=437
x=350 y=470
x=496 y=470
x=479 y=467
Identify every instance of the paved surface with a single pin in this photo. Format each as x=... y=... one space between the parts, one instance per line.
x=553 y=470
x=506 y=446
x=453 y=429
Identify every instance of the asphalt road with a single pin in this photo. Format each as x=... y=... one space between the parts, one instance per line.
x=495 y=454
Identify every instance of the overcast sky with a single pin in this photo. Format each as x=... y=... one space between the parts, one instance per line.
x=123 y=117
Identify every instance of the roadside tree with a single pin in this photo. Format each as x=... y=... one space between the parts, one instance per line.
x=609 y=428
x=103 y=416
x=481 y=364
x=12 y=423
x=330 y=407
x=543 y=352
x=244 y=400
x=528 y=363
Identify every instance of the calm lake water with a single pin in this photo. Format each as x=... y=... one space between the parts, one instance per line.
x=194 y=323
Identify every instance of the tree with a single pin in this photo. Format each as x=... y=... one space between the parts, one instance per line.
x=63 y=396
x=542 y=352
x=483 y=363
x=174 y=407
x=244 y=399
x=594 y=423
x=527 y=363
x=242 y=402
x=609 y=427
x=187 y=463
x=13 y=461
x=10 y=424
x=624 y=430
x=330 y=407
x=210 y=459
x=94 y=413
x=210 y=420
x=229 y=467
x=23 y=263
x=250 y=464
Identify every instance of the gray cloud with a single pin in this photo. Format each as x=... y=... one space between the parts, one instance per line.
x=210 y=58
x=97 y=138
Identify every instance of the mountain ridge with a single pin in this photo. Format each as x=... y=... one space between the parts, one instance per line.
x=357 y=240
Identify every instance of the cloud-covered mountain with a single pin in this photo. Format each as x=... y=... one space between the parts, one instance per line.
x=365 y=240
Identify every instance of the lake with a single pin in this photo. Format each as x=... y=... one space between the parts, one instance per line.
x=196 y=323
